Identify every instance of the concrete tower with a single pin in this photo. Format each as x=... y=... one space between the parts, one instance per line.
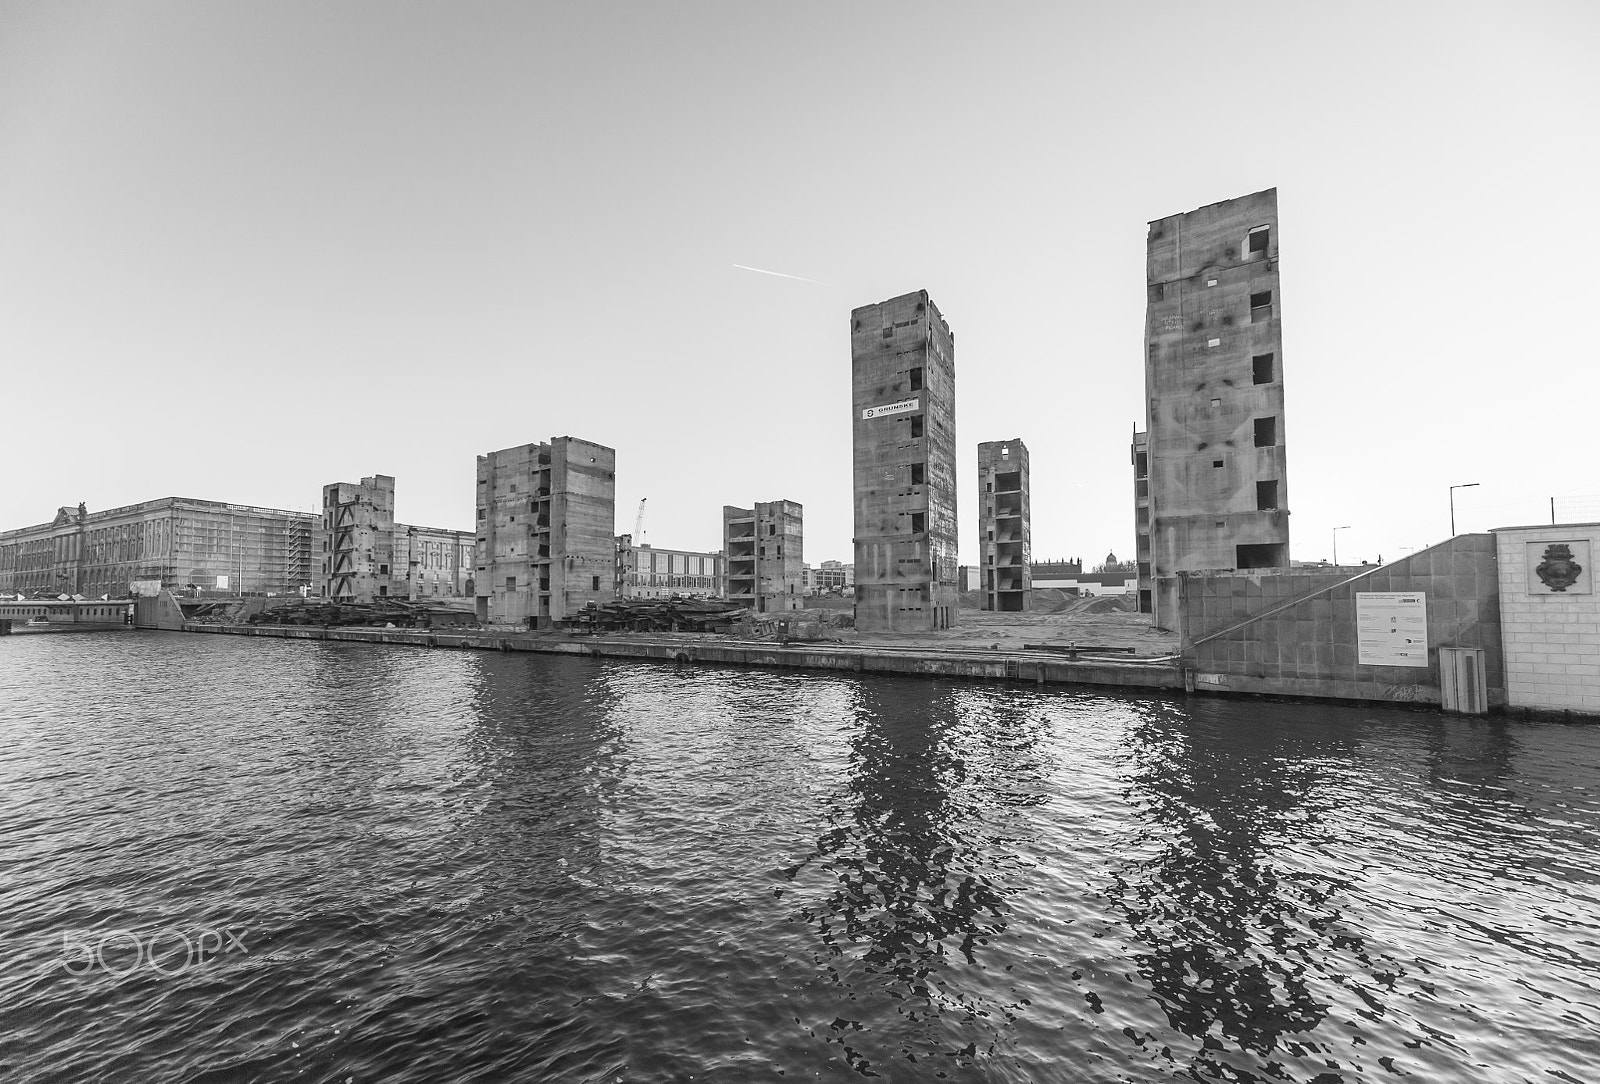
x=546 y=531
x=1213 y=447
x=903 y=417
x=1003 y=532
x=766 y=549
x=358 y=523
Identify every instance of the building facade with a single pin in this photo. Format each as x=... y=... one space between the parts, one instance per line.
x=834 y=577
x=766 y=555
x=546 y=541
x=1214 y=452
x=903 y=427
x=435 y=562
x=644 y=571
x=191 y=546
x=1003 y=527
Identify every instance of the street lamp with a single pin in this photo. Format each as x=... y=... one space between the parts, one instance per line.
x=1336 y=531
x=1464 y=485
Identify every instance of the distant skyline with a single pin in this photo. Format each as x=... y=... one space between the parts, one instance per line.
x=247 y=250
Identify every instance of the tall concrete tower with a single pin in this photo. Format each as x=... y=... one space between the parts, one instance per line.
x=1004 y=537
x=903 y=419
x=1212 y=454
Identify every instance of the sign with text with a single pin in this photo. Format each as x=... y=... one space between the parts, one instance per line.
x=1392 y=628
x=904 y=406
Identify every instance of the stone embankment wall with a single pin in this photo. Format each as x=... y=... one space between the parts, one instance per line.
x=1294 y=633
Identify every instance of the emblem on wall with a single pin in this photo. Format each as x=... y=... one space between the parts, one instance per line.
x=1558 y=570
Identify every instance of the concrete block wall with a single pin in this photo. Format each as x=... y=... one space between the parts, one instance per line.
x=1552 y=637
x=1293 y=632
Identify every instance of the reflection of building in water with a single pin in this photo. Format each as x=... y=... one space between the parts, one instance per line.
x=1240 y=944
x=901 y=888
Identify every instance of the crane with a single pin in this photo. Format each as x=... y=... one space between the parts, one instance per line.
x=638 y=523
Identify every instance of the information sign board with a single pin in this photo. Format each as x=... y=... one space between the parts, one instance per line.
x=1392 y=628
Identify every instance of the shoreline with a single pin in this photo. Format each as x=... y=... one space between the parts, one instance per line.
x=1040 y=668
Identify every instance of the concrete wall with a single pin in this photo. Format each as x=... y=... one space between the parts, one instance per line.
x=1552 y=637
x=1294 y=632
x=1205 y=396
x=903 y=431
x=1004 y=532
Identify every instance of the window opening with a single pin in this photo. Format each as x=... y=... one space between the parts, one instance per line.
x=1266 y=432
x=1267 y=495
x=1261 y=368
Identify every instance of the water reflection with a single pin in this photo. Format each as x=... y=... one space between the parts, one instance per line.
x=905 y=886
x=1236 y=917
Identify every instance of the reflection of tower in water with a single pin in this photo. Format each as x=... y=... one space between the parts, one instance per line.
x=904 y=887
x=1241 y=937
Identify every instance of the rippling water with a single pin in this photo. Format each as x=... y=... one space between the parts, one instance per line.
x=465 y=866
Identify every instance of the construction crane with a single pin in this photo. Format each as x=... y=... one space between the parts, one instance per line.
x=638 y=524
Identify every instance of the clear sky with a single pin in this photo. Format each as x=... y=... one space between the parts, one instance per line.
x=250 y=248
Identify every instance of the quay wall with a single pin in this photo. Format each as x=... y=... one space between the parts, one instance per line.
x=1300 y=637
x=809 y=656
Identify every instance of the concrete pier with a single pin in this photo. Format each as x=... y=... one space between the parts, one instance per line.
x=1033 y=667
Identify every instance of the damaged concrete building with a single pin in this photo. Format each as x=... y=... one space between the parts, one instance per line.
x=765 y=548
x=1210 y=465
x=546 y=541
x=1003 y=532
x=358 y=539
x=366 y=555
x=903 y=420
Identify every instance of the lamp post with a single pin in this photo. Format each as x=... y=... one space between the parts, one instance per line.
x=1464 y=485
x=1336 y=531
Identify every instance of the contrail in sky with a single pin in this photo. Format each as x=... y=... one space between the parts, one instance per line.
x=781 y=275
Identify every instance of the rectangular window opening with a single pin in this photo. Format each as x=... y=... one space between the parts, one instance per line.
x=1216 y=462
x=916 y=425
x=916 y=379
x=1267 y=495
x=1258 y=239
x=919 y=522
x=1266 y=432
x=919 y=472
x=1261 y=368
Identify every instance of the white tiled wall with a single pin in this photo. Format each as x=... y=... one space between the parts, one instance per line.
x=1552 y=640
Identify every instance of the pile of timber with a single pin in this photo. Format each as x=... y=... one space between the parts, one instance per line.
x=656 y=615
x=334 y=613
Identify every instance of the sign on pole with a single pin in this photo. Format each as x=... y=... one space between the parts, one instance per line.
x=1392 y=628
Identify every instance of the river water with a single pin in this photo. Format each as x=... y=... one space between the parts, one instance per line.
x=225 y=859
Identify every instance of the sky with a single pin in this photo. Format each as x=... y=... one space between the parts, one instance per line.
x=248 y=249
